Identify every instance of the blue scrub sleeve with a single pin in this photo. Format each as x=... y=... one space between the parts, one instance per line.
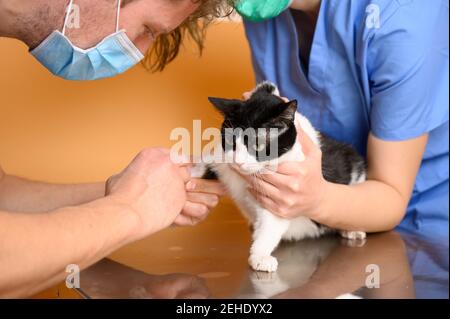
x=409 y=72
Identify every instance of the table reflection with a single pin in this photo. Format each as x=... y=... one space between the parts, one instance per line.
x=409 y=267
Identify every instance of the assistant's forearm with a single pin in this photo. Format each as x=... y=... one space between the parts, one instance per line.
x=20 y=195
x=371 y=207
x=35 y=249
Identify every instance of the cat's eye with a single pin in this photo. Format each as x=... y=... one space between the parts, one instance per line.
x=259 y=147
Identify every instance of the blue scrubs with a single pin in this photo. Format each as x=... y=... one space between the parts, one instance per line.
x=388 y=77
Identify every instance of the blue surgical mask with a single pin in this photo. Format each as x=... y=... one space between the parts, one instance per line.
x=260 y=10
x=115 y=54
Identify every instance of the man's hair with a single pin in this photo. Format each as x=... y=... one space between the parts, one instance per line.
x=167 y=46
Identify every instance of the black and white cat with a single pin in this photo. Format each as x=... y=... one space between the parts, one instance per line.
x=265 y=110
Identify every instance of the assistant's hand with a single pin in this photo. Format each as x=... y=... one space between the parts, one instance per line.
x=202 y=196
x=296 y=188
x=153 y=187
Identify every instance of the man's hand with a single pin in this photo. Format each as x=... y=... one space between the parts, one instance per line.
x=203 y=195
x=145 y=198
x=153 y=187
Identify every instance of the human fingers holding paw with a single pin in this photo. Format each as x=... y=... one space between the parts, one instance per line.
x=202 y=196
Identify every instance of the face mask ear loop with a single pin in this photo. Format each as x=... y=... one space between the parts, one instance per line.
x=69 y=11
x=119 y=3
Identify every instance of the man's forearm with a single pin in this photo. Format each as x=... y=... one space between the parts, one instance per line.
x=20 y=195
x=371 y=207
x=35 y=249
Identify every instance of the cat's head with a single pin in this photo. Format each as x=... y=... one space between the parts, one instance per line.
x=258 y=131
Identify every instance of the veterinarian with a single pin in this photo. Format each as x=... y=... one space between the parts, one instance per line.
x=44 y=228
x=373 y=74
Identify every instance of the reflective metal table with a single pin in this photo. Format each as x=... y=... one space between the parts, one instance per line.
x=210 y=261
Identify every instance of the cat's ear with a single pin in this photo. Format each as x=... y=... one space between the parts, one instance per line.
x=288 y=110
x=225 y=106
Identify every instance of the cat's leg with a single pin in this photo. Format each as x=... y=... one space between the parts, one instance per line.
x=199 y=170
x=267 y=234
x=267 y=285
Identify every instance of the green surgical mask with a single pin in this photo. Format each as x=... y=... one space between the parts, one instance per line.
x=260 y=10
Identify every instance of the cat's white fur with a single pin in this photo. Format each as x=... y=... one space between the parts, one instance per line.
x=268 y=229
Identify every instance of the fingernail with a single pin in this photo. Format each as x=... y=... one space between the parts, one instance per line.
x=214 y=201
x=190 y=186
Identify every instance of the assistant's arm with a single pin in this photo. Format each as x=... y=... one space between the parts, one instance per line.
x=379 y=204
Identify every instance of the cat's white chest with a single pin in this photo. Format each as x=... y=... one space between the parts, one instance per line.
x=238 y=190
x=238 y=187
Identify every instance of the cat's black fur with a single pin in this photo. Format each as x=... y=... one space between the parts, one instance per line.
x=262 y=111
x=339 y=160
x=266 y=110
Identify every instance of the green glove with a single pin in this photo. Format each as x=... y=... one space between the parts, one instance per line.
x=260 y=10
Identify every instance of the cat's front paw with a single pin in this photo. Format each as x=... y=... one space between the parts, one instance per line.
x=263 y=263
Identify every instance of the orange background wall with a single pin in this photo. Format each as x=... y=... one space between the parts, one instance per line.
x=59 y=131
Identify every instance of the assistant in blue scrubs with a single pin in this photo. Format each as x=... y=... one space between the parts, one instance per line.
x=386 y=74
